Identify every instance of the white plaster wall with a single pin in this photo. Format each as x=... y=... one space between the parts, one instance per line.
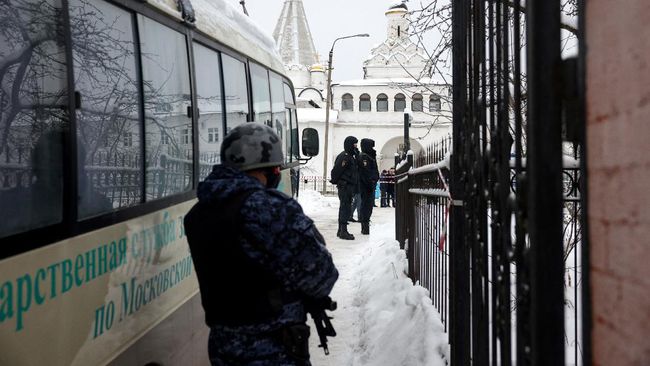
x=300 y=77
x=387 y=138
x=441 y=117
x=318 y=79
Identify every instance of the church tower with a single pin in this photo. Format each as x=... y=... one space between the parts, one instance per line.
x=398 y=22
x=397 y=56
x=296 y=47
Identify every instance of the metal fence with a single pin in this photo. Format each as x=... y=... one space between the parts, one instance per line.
x=421 y=214
x=508 y=283
x=315 y=182
x=422 y=228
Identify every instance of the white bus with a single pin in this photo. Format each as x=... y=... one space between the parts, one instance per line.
x=112 y=111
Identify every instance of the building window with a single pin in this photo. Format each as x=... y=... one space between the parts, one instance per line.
x=185 y=136
x=434 y=103
x=364 y=103
x=128 y=139
x=165 y=139
x=382 y=103
x=416 y=103
x=400 y=103
x=213 y=135
x=347 y=102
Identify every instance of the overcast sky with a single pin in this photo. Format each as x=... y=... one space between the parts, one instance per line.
x=329 y=20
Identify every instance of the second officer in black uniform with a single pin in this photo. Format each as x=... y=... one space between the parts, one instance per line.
x=368 y=177
x=345 y=175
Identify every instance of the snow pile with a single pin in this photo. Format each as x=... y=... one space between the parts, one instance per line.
x=398 y=325
x=313 y=202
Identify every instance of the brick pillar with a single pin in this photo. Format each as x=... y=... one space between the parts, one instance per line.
x=618 y=137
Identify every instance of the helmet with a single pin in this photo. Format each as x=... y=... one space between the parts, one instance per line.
x=251 y=146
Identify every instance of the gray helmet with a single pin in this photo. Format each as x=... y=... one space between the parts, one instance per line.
x=251 y=146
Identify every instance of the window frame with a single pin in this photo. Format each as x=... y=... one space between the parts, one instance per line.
x=435 y=98
x=420 y=98
x=396 y=100
x=383 y=98
x=369 y=101
x=350 y=100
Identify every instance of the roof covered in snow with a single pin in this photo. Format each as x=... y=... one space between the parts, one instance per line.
x=398 y=5
x=392 y=81
x=229 y=25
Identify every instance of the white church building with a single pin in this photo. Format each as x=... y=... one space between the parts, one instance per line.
x=397 y=78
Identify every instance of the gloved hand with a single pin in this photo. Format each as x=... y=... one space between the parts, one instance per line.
x=323 y=303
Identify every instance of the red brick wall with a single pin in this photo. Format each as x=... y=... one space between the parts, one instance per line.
x=618 y=137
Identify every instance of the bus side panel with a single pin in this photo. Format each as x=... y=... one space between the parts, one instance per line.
x=84 y=300
x=179 y=340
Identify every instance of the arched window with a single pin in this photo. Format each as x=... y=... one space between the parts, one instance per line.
x=400 y=103
x=434 y=103
x=347 y=102
x=364 y=103
x=382 y=103
x=416 y=103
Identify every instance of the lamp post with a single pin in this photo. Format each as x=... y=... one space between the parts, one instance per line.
x=328 y=105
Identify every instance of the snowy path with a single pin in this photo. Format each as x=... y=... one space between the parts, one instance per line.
x=382 y=319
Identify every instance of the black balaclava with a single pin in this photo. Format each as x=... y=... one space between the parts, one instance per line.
x=272 y=176
x=348 y=144
x=367 y=146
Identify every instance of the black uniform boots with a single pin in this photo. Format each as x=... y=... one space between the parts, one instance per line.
x=365 y=228
x=343 y=232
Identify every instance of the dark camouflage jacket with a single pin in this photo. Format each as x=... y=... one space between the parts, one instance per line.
x=279 y=237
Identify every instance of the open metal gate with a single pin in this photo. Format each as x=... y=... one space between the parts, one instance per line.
x=511 y=274
x=517 y=135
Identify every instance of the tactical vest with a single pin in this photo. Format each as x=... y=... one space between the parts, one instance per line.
x=235 y=290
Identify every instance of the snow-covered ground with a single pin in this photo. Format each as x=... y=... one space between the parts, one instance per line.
x=382 y=318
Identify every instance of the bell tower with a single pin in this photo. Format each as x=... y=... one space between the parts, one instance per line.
x=398 y=22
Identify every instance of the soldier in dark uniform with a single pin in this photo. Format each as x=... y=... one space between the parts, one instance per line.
x=368 y=177
x=345 y=175
x=259 y=260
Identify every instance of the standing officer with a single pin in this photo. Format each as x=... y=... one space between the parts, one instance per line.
x=259 y=260
x=345 y=175
x=368 y=177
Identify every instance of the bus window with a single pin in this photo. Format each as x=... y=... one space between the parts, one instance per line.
x=31 y=143
x=288 y=95
x=295 y=138
x=168 y=128
x=108 y=120
x=208 y=97
x=234 y=78
x=261 y=97
x=277 y=108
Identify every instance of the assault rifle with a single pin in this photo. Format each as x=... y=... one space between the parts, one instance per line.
x=316 y=308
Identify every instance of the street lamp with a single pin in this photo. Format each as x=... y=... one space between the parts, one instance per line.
x=328 y=104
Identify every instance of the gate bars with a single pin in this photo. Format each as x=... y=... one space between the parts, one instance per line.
x=511 y=191
x=509 y=242
x=422 y=217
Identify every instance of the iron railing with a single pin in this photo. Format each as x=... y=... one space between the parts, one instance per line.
x=511 y=271
x=315 y=182
x=421 y=215
x=422 y=228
